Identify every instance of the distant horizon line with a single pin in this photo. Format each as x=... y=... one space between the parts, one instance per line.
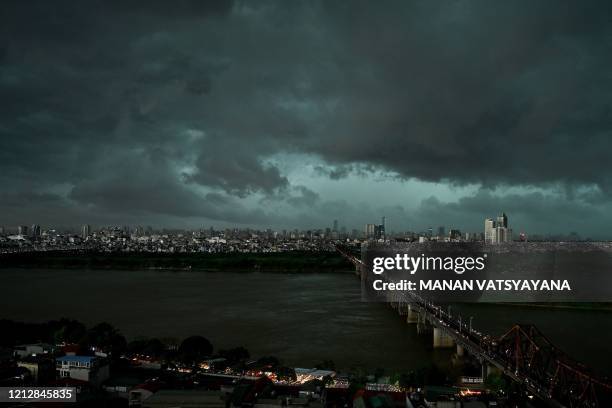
x=345 y=230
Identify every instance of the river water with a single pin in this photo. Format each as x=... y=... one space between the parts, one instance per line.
x=300 y=318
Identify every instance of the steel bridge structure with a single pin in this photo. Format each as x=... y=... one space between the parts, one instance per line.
x=523 y=353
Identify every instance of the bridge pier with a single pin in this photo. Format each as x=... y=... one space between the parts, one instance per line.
x=488 y=369
x=412 y=316
x=460 y=350
x=441 y=339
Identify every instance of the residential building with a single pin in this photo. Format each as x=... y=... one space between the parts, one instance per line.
x=92 y=369
x=35 y=349
x=40 y=367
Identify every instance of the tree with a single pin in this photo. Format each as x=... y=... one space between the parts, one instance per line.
x=101 y=335
x=379 y=373
x=69 y=331
x=268 y=361
x=234 y=355
x=154 y=347
x=326 y=365
x=136 y=346
x=105 y=336
x=285 y=374
x=496 y=383
x=195 y=348
x=150 y=347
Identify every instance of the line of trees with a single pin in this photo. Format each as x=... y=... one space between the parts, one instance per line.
x=104 y=337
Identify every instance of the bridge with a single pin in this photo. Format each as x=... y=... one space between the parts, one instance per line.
x=523 y=353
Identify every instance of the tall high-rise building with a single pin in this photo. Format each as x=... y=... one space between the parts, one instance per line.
x=497 y=231
x=370 y=230
x=35 y=230
x=85 y=231
x=454 y=234
x=1 y=230
x=22 y=230
x=382 y=229
x=502 y=220
x=441 y=231
x=488 y=230
x=335 y=225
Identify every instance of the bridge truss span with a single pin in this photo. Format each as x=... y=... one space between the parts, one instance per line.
x=523 y=353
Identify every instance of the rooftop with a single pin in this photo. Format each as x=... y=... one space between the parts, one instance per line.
x=76 y=359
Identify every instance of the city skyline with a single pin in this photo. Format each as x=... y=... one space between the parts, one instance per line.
x=496 y=230
x=289 y=115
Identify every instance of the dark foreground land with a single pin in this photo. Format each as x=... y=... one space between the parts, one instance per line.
x=295 y=261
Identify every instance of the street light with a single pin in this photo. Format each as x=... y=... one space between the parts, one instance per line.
x=471 y=317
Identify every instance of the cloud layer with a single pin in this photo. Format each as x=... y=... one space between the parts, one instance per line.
x=196 y=112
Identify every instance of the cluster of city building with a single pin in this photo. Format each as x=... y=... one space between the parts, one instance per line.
x=147 y=239
x=138 y=379
x=126 y=239
x=497 y=231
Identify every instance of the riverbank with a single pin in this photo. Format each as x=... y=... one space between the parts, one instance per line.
x=295 y=261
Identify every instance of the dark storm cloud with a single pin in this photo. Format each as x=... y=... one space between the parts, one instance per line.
x=179 y=108
x=305 y=198
x=235 y=169
x=479 y=92
x=530 y=212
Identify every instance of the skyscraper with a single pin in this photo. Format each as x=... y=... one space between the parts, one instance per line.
x=497 y=231
x=335 y=225
x=488 y=230
x=370 y=230
x=502 y=220
x=22 y=230
x=85 y=231
x=35 y=230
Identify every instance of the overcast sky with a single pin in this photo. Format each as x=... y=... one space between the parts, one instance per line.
x=291 y=114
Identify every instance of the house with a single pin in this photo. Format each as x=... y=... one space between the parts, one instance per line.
x=94 y=370
x=40 y=367
x=142 y=392
x=121 y=385
x=26 y=350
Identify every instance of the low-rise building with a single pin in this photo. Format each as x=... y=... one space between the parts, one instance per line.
x=140 y=393
x=40 y=367
x=94 y=370
x=26 y=350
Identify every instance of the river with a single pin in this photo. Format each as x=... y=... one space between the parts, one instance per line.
x=300 y=318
